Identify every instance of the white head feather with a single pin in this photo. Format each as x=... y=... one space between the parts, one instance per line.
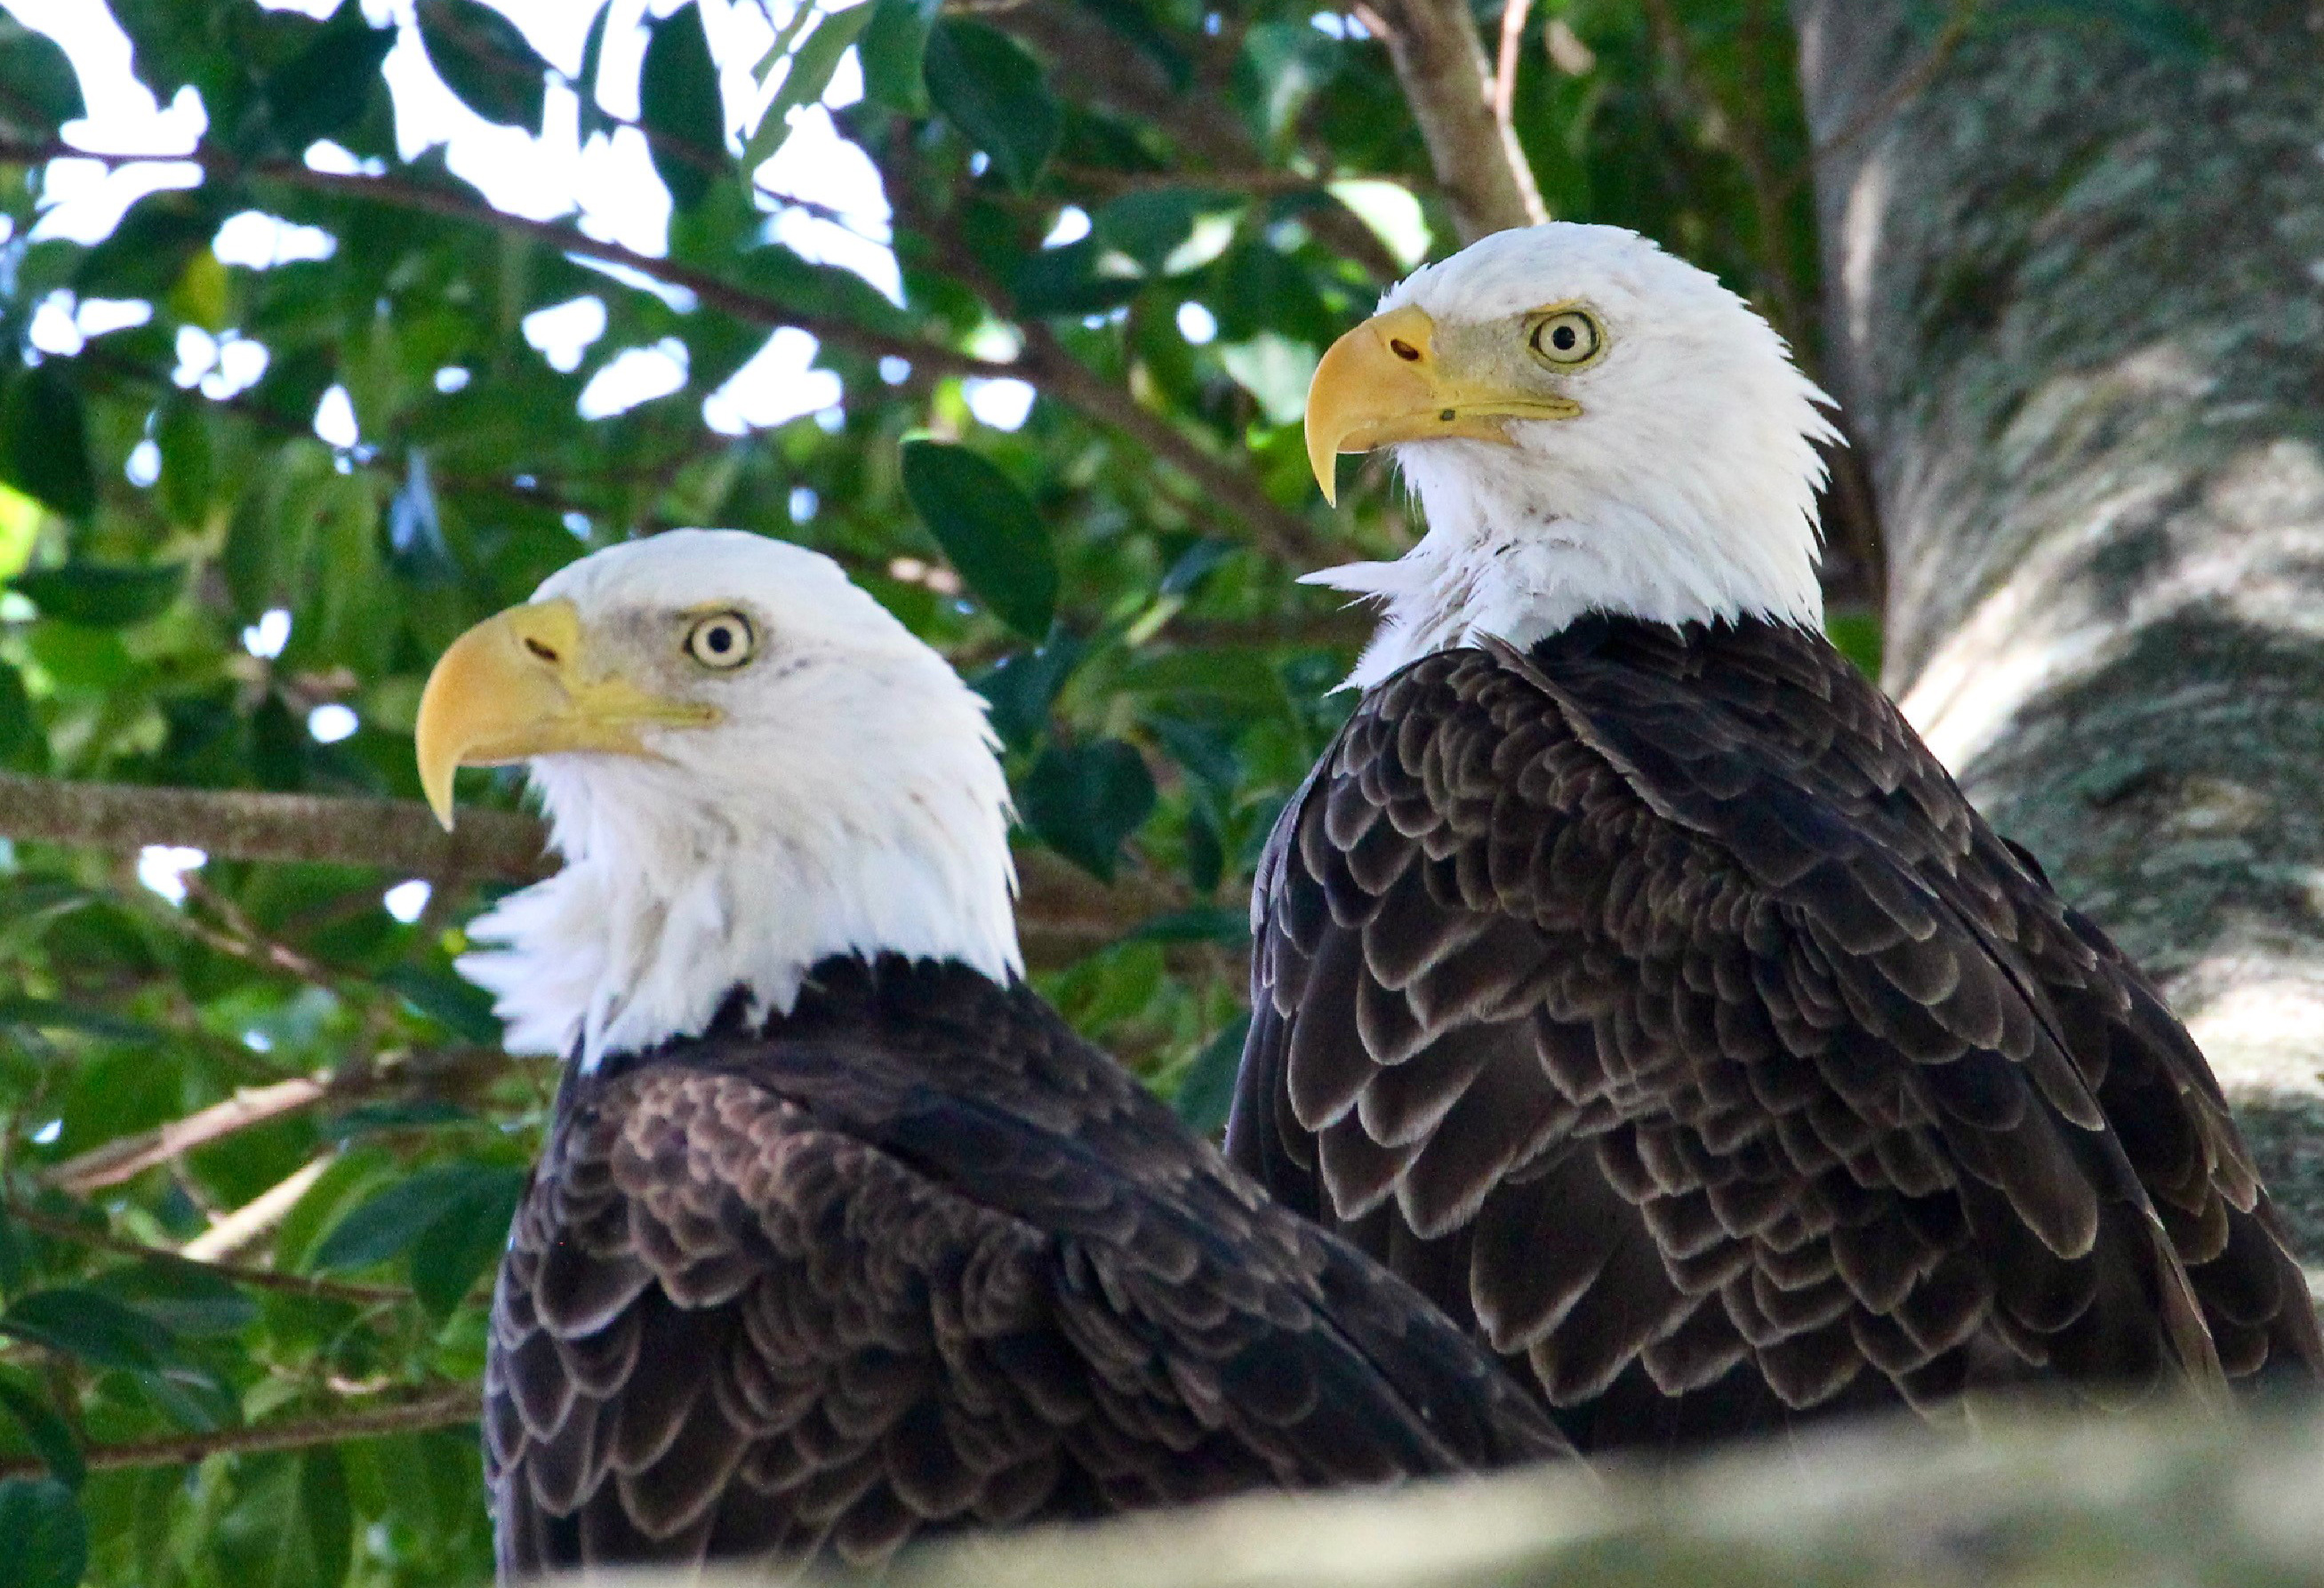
x=849 y=800
x=1685 y=489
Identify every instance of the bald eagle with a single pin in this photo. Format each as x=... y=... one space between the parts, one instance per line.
x=842 y=1238
x=1630 y=977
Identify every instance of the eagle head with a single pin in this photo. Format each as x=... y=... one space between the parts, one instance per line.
x=1590 y=424
x=748 y=764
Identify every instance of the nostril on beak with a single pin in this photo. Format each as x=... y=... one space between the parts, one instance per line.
x=545 y=652
x=1403 y=350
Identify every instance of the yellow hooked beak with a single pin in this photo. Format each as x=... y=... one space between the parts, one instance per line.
x=1388 y=379
x=521 y=685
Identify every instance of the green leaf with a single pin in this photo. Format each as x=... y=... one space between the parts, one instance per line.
x=1083 y=800
x=812 y=64
x=1151 y=224
x=96 y=1328
x=46 y=1434
x=327 y=87
x=1075 y=278
x=459 y=1006
x=190 y=1300
x=993 y=92
x=679 y=107
x=988 y=528
x=465 y=1239
x=1206 y=1088
x=100 y=595
x=36 y=74
x=21 y=738
x=44 y=441
x=387 y=1225
x=46 y=1536
x=292 y=1527
x=1020 y=688
x=484 y=58
x=894 y=44
x=1857 y=636
x=50 y=1014
x=2167 y=30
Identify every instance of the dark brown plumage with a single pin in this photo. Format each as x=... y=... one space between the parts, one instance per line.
x=1656 y=1003
x=915 y=1259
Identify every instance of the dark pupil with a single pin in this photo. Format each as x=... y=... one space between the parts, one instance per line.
x=1562 y=338
x=719 y=640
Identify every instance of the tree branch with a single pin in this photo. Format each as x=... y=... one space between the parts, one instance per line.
x=257 y=1279
x=1068 y=379
x=128 y=1157
x=399 y=835
x=1449 y=85
x=1062 y=912
x=446 y=1408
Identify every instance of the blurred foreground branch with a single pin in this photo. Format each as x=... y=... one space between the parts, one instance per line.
x=2138 y=1503
x=446 y=1408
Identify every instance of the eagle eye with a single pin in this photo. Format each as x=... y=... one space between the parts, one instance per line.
x=723 y=639
x=1569 y=337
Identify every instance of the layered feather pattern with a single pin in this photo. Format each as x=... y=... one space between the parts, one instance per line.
x=1656 y=1003
x=912 y=1259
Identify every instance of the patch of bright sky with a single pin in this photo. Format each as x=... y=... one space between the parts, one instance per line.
x=258 y=241
x=62 y=325
x=1197 y=324
x=266 y=638
x=144 y=464
x=1072 y=225
x=163 y=868
x=331 y=721
x=222 y=366
x=633 y=376
x=563 y=332
x=405 y=900
x=776 y=386
x=335 y=419
x=829 y=203
x=1003 y=404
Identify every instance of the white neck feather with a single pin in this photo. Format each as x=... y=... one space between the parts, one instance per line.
x=1517 y=552
x=684 y=881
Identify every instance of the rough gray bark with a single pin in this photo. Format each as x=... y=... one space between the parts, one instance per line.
x=2073 y=277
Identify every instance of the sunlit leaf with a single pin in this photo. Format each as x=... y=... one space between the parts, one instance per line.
x=989 y=531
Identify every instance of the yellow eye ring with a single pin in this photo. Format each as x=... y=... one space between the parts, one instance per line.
x=723 y=641
x=1570 y=337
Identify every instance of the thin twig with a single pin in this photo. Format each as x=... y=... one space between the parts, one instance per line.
x=131 y=1156
x=446 y=1408
x=1505 y=64
x=257 y=1279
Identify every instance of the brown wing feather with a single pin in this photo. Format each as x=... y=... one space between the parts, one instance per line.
x=1655 y=1000
x=920 y=1262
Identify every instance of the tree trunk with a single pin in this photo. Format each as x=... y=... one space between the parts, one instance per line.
x=2072 y=285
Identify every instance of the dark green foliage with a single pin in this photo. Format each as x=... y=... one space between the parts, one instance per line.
x=43 y=1540
x=1085 y=800
x=988 y=528
x=482 y=58
x=1158 y=678
x=681 y=111
x=992 y=91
